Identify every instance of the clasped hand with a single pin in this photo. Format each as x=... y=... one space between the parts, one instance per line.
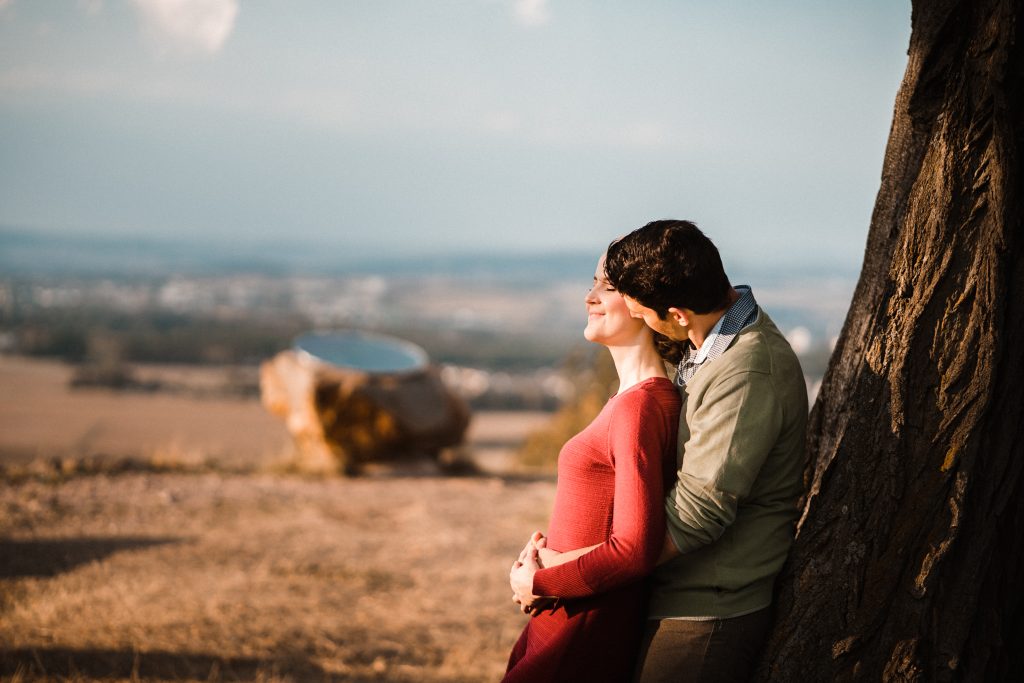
x=521 y=576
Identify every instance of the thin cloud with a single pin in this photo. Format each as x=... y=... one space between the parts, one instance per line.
x=190 y=25
x=531 y=12
x=34 y=79
x=502 y=122
x=647 y=134
x=91 y=7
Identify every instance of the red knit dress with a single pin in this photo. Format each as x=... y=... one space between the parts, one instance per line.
x=611 y=489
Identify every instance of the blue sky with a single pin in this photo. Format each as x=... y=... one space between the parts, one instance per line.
x=450 y=126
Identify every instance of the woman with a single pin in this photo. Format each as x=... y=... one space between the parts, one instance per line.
x=589 y=605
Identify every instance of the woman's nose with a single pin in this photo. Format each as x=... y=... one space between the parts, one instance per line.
x=591 y=297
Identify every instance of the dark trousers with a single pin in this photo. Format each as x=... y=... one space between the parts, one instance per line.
x=715 y=651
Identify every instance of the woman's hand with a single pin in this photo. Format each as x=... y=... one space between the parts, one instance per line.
x=520 y=578
x=537 y=540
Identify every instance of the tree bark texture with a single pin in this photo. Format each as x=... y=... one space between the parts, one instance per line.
x=908 y=563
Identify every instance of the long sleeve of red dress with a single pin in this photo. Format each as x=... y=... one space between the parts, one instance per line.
x=611 y=491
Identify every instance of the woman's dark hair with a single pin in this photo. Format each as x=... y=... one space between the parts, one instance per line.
x=670 y=350
x=666 y=264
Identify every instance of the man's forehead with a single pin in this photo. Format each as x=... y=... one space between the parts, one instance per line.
x=632 y=303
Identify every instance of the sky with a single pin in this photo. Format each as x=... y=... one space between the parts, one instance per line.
x=425 y=127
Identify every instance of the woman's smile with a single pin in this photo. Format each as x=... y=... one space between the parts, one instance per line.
x=609 y=321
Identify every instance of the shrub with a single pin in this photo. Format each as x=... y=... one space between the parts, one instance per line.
x=593 y=374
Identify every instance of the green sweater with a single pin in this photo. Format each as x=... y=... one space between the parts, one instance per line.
x=732 y=510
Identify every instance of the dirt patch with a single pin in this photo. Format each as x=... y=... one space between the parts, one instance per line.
x=42 y=418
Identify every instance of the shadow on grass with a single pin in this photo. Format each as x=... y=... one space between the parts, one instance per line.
x=51 y=663
x=50 y=557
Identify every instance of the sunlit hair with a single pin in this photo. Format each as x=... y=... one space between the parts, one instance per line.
x=666 y=264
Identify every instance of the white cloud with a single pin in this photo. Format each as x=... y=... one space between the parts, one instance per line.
x=191 y=25
x=800 y=338
x=531 y=12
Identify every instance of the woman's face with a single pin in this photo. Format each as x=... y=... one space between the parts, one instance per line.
x=609 y=321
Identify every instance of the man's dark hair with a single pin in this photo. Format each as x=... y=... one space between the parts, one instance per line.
x=667 y=264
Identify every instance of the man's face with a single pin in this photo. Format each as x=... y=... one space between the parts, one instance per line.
x=670 y=327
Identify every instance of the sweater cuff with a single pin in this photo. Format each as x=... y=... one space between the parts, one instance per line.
x=562 y=581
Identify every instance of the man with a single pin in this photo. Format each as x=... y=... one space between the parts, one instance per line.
x=732 y=509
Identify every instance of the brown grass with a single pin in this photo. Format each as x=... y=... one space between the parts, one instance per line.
x=191 y=577
x=210 y=574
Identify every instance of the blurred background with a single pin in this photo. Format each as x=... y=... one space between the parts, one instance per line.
x=187 y=185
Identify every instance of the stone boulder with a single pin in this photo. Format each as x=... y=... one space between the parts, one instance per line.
x=342 y=418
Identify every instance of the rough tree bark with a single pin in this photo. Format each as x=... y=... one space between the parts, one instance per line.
x=908 y=563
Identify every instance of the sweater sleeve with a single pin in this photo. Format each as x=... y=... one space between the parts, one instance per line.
x=639 y=439
x=731 y=434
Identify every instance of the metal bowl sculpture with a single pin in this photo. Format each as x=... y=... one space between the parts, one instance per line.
x=362 y=351
x=349 y=398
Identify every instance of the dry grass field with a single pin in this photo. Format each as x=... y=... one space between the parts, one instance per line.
x=220 y=569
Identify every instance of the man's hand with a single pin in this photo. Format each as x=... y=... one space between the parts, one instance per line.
x=669 y=550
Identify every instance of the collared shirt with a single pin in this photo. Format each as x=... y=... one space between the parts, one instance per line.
x=742 y=313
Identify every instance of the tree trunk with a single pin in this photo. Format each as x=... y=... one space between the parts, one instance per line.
x=909 y=561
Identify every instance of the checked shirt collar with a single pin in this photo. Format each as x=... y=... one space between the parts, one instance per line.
x=739 y=315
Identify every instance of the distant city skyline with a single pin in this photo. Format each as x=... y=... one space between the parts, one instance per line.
x=411 y=128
